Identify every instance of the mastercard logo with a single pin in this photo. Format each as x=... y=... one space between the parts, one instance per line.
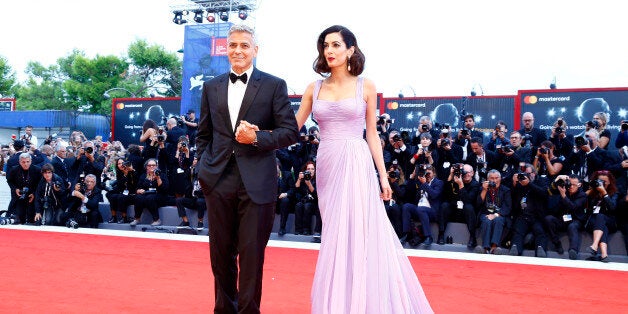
x=530 y=100
x=120 y=106
x=392 y=105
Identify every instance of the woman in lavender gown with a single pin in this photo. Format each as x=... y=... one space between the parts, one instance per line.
x=361 y=266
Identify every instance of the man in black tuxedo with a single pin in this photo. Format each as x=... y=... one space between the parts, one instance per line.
x=481 y=160
x=466 y=134
x=245 y=117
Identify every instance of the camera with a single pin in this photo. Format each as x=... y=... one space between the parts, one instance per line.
x=71 y=223
x=559 y=130
x=492 y=185
x=580 y=141
x=393 y=174
x=307 y=175
x=396 y=138
x=593 y=124
x=559 y=122
x=160 y=138
x=498 y=128
x=311 y=137
x=184 y=144
x=383 y=120
x=507 y=148
x=464 y=132
x=422 y=170
x=543 y=150
x=624 y=125
x=596 y=183
x=57 y=184
x=157 y=172
x=563 y=183
x=521 y=176
x=458 y=170
x=89 y=150
x=126 y=164
x=445 y=142
x=424 y=128
x=25 y=191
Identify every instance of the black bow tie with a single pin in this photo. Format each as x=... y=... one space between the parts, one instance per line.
x=234 y=77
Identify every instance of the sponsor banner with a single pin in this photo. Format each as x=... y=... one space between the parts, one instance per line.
x=7 y=104
x=487 y=111
x=130 y=114
x=576 y=107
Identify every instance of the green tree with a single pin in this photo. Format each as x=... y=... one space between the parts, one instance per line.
x=42 y=90
x=7 y=76
x=156 y=69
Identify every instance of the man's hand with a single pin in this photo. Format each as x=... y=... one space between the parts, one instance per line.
x=37 y=217
x=245 y=133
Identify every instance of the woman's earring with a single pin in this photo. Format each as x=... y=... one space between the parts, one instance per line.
x=349 y=64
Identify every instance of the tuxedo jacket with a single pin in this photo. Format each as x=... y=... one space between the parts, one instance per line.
x=266 y=105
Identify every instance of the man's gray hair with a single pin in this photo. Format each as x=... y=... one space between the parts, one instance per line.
x=243 y=28
x=91 y=176
x=25 y=156
x=495 y=171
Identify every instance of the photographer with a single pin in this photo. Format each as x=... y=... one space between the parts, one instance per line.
x=568 y=214
x=398 y=151
x=88 y=162
x=84 y=202
x=481 y=160
x=546 y=163
x=310 y=144
x=285 y=197
x=601 y=204
x=425 y=126
x=384 y=123
x=498 y=137
x=396 y=179
x=307 y=202
x=562 y=141
x=23 y=181
x=28 y=138
x=589 y=158
x=427 y=190
x=49 y=197
x=424 y=153
x=123 y=191
x=494 y=203
x=152 y=191
x=191 y=123
x=174 y=133
x=463 y=139
x=533 y=136
x=460 y=194
x=529 y=204
x=181 y=178
x=19 y=148
x=599 y=125
x=622 y=136
x=512 y=157
x=194 y=200
x=449 y=153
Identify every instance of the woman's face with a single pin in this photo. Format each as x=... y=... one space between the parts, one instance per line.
x=425 y=142
x=48 y=176
x=605 y=179
x=599 y=120
x=119 y=164
x=335 y=50
x=311 y=169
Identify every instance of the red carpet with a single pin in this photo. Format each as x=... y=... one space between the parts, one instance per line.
x=52 y=272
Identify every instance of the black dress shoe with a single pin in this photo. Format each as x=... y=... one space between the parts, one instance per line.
x=282 y=231
x=441 y=239
x=450 y=240
x=472 y=243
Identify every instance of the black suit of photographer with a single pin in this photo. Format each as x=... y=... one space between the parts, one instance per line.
x=448 y=155
x=529 y=204
x=572 y=206
x=509 y=163
x=393 y=206
x=459 y=205
x=285 y=202
x=123 y=192
x=49 y=199
x=92 y=217
x=306 y=206
x=153 y=197
x=584 y=164
x=83 y=165
x=23 y=204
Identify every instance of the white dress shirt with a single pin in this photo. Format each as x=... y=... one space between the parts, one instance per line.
x=235 y=95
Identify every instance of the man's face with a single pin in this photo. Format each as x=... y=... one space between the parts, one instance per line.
x=25 y=163
x=62 y=152
x=241 y=50
x=575 y=184
x=528 y=121
x=48 y=175
x=495 y=177
x=469 y=123
x=468 y=175
x=477 y=149
x=90 y=183
x=515 y=140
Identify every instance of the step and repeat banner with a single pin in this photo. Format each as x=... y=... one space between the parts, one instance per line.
x=576 y=107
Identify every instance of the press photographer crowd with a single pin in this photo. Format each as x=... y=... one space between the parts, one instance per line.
x=514 y=189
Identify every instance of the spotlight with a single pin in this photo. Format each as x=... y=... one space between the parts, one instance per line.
x=210 y=16
x=473 y=93
x=178 y=18
x=198 y=16
x=553 y=84
x=224 y=16
x=243 y=15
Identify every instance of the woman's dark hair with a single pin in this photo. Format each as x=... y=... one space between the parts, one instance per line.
x=612 y=188
x=149 y=124
x=134 y=149
x=356 y=62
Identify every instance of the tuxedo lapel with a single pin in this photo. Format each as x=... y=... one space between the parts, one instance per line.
x=223 y=103
x=251 y=91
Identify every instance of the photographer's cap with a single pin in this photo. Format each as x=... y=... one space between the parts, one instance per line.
x=18 y=144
